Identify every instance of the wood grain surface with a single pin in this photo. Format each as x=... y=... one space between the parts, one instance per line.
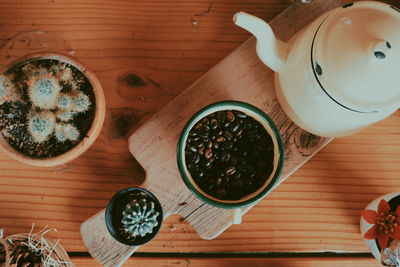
x=242 y=262
x=168 y=47
x=240 y=76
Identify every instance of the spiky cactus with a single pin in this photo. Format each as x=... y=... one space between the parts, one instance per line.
x=64 y=102
x=64 y=132
x=50 y=106
x=139 y=217
x=64 y=115
x=81 y=102
x=41 y=125
x=71 y=132
x=44 y=91
x=59 y=133
x=7 y=90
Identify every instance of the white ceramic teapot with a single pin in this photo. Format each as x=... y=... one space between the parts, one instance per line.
x=339 y=74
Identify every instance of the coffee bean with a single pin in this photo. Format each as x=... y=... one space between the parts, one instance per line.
x=198 y=144
x=248 y=124
x=193 y=149
x=237 y=175
x=234 y=160
x=226 y=124
x=196 y=159
x=221 y=116
x=230 y=170
x=199 y=173
x=218 y=181
x=214 y=124
x=235 y=127
x=205 y=121
x=208 y=153
x=240 y=114
x=210 y=186
x=198 y=125
x=209 y=144
x=216 y=144
x=193 y=139
x=225 y=156
x=191 y=166
x=220 y=139
x=229 y=116
x=208 y=164
x=227 y=145
x=202 y=132
x=201 y=149
x=228 y=135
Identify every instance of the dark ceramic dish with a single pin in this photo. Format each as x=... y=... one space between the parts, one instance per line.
x=115 y=207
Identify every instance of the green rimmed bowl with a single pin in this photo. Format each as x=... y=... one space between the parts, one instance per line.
x=257 y=115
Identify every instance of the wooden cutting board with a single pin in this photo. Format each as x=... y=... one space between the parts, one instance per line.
x=240 y=76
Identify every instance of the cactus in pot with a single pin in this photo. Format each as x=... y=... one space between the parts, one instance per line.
x=134 y=216
x=139 y=217
x=48 y=105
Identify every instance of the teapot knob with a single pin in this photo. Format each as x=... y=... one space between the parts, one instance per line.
x=381 y=50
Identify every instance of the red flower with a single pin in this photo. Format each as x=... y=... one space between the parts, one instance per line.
x=386 y=224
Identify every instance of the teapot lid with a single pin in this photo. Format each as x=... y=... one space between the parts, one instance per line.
x=356 y=56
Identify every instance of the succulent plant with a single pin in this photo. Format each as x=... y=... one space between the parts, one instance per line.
x=81 y=102
x=64 y=132
x=44 y=91
x=139 y=217
x=7 y=90
x=59 y=133
x=64 y=102
x=41 y=125
x=52 y=103
x=64 y=115
x=64 y=74
x=71 y=132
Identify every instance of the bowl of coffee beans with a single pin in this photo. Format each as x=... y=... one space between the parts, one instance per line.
x=230 y=154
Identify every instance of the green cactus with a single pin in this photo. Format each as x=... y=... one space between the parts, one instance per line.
x=7 y=90
x=44 y=91
x=64 y=74
x=59 y=133
x=49 y=105
x=81 y=102
x=64 y=115
x=41 y=125
x=64 y=102
x=139 y=217
x=71 y=132
x=64 y=132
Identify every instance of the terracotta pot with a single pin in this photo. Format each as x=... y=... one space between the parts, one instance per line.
x=91 y=135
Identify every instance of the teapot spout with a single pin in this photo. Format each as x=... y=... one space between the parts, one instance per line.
x=271 y=51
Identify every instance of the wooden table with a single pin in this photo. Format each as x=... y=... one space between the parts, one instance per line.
x=170 y=44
